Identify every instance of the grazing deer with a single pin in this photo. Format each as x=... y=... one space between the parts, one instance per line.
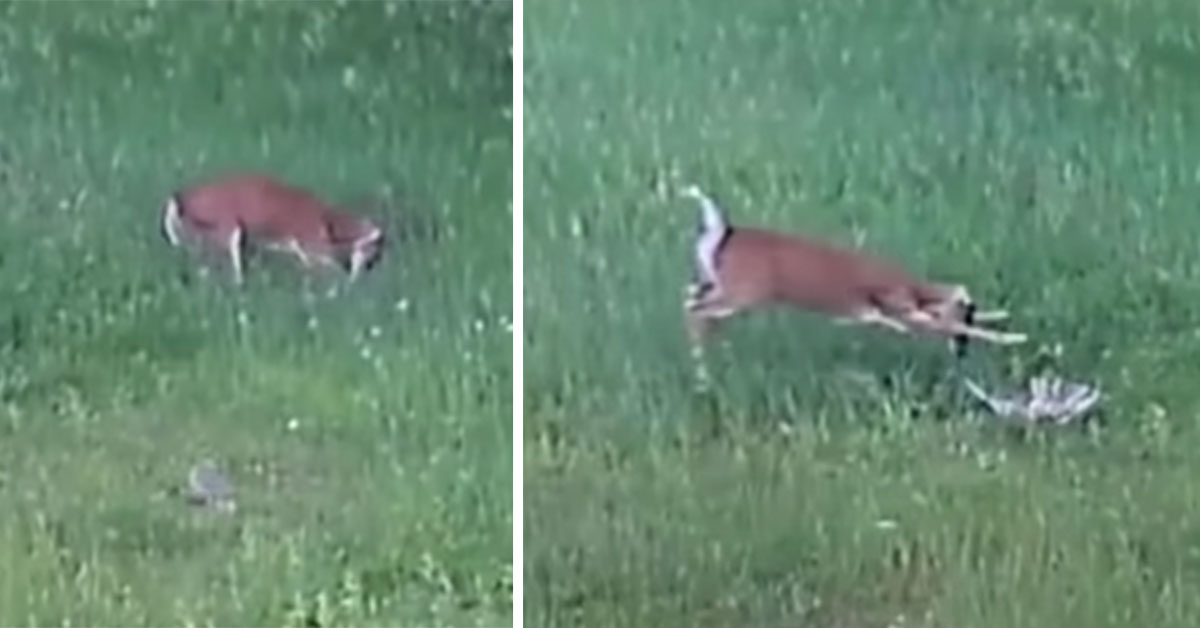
x=742 y=268
x=232 y=211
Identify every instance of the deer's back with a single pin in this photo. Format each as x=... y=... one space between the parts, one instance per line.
x=264 y=207
x=772 y=266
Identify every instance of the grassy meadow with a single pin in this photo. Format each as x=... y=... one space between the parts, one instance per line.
x=1045 y=152
x=369 y=436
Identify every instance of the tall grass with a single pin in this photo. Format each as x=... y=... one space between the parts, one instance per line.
x=1043 y=152
x=368 y=436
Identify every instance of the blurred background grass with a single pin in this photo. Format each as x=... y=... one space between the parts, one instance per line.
x=387 y=501
x=1042 y=151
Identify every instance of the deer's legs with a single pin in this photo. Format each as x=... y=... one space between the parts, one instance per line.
x=236 y=243
x=294 y=247
x=704 y=309
x=874 y=317
x=991 y=316
x=704 y=305
x=923 y=320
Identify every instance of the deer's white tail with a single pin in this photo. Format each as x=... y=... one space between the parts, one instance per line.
x=172 y=222
x=714 y=229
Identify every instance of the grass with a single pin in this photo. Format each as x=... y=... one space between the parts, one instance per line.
x=1042 y=151
x=369 y=437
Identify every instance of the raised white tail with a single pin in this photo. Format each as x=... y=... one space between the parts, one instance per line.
x=713 y=231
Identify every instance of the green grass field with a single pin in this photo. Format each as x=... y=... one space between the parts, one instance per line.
x=369 y=437
x=1045 y=152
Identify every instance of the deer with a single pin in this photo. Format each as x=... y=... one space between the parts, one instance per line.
x=230 y=212
x=738 y=269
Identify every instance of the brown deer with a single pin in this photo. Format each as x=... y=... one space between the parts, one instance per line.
x=743 y=268
x=230 y=212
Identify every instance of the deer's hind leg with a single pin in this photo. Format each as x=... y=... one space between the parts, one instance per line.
x=236 y=245
x=704 y=309
x=219 y=242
